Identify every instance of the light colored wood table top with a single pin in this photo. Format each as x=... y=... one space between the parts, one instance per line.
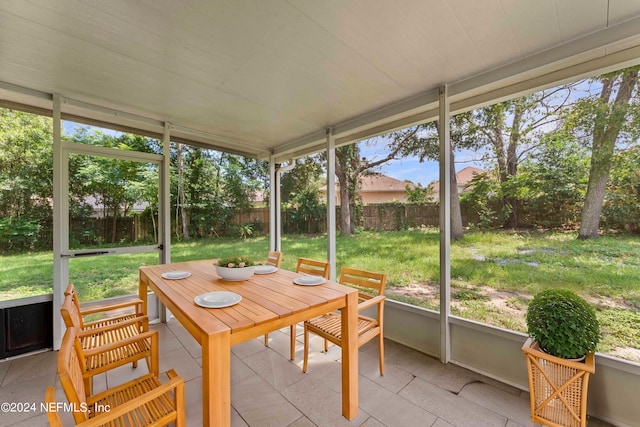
x=269 y=302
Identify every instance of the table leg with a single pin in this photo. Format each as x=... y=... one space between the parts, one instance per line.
x=350 y=357
x=142 y=291
x=216 y=379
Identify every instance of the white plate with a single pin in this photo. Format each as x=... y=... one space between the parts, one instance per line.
x=175 y=275
x=309 y=280
x=266 y=269
x=218 y=299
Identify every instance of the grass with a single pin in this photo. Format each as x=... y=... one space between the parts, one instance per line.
x=493 y=274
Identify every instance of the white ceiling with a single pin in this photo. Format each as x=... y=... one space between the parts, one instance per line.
x=268 y=76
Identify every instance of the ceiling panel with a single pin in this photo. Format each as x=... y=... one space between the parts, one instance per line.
x=275 y=74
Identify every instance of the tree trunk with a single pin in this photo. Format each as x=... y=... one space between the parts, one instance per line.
x=607 y=125
x=457 y=231
x=114 y=224
x=345 y=200
x=181 y=196
x=512 y=166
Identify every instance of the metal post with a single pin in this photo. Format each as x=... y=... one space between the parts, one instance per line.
x=60 y=223
x=331 y=202
x=274 y=205
x=164 y=208
x=445 y=225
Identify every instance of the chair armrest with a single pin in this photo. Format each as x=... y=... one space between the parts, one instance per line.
x=120 y=325
x=372 y=301
x=104 y=417
x=116 y=320
x=102 y=308
x=121 y=343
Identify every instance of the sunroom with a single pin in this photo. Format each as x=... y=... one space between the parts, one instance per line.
x=283 y=79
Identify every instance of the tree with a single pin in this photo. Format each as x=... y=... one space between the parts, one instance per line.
x=350 y=166
x=305 y=176
x=622 y=202
x=216 y=184
x=26 y=180
x=26 y=164
x=181 y=206
x=418 y=195
x=551 y=184
x=609 y=113
x=112 y=182
x=513 y=130
x=427 y=146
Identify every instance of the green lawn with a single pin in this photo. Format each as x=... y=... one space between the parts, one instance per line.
x=493 y=274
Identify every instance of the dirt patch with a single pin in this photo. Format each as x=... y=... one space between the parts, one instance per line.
x=431 y=291
x=504 y=308
x=627 y=353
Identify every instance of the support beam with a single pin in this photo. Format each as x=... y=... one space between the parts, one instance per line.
x=275 y=202
x=164 y=208
x=164 y=190
x=445 y=224
x=331 y=202
x=60 y=224
x=274 y=206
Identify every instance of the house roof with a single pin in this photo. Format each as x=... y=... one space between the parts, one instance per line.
x=379 y=183
x=269 y=78
x=463 y=177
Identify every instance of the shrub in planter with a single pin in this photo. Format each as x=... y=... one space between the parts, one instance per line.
x=563 y=324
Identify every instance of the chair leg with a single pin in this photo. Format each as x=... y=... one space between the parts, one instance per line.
x=88 y=385
x=381 y=353
x=326 y=345
x=292 y=332
x=306 y=349
x=178 y=396
x=154 y=367
x=266 y=340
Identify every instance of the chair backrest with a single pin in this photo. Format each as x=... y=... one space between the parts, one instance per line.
x=363 y=280
x=274 y=258
x=70 y=369
x=313 y=267
x=71 y=290
x=71 y=313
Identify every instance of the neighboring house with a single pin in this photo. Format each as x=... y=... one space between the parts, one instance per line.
x=463 y=178
x=378 y=188
x=99 y=209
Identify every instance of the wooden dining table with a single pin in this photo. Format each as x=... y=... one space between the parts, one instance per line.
x=268 y=302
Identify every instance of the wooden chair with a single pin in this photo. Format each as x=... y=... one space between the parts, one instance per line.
x=136 y=304
x=107 y=347
x=314 y=268
x=329 y=326
x=143 y=401
x=274 y=258
x=306 y=266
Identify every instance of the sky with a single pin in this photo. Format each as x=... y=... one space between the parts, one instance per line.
x=411 y=169
x=404 y=169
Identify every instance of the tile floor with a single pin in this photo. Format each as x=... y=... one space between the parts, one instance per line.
x=269 y=390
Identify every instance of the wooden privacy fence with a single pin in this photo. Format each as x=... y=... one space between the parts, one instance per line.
x=385 y=216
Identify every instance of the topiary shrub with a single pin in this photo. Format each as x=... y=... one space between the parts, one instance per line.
x=563 y=323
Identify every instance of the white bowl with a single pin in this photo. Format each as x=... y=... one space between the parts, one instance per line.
x=235 y=274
